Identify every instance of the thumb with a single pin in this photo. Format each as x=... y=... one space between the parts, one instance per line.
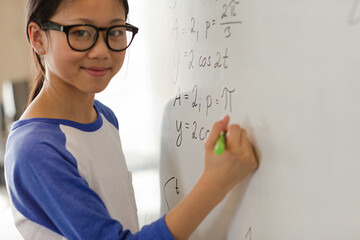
x=217 y=128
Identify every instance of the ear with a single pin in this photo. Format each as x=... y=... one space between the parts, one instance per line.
x=37 y=38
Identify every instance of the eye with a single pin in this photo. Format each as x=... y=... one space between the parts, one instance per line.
x=81 y=33
x=117 y=32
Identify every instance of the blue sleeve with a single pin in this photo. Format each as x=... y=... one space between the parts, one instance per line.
x=46 y=188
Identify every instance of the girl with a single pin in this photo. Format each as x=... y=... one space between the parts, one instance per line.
x=65 y=169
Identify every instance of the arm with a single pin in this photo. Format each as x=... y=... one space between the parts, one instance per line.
x=221 y=174
x=47 y=189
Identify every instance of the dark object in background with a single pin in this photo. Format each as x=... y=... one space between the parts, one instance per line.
x=14 y=100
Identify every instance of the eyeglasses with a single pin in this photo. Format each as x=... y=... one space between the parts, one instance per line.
x=82 y=37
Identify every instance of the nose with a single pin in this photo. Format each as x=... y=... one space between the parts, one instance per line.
x=100 y=50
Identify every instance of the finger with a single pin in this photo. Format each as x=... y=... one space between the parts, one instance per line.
x=244 y=136
x=233 y=137
x=256 y=160
x=245 y=142
x=217 y=128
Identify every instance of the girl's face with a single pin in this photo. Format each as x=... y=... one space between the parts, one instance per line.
x=88 y=72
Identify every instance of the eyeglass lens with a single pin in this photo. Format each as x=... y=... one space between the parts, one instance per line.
x=83 y=37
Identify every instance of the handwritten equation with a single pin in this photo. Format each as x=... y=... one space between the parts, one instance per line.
x=205 y=104
x=218 y=60
x=194 y=30
x=197 y=132
x=200 y=30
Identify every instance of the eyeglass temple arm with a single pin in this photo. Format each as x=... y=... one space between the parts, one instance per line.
x=52 y=26
x=132 y=28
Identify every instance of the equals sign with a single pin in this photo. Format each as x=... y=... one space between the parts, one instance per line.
x=186 y=54
x=213 y=22
x=186 y=96
x=217 y=101
x=187 y=125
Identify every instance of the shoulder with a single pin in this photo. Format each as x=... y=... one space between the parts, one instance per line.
x=32 y=143
x=36 y=130
x=107 y=112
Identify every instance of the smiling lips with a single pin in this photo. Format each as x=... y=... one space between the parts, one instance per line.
x=96 y=71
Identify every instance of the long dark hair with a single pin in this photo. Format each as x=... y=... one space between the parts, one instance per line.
x=40 y=11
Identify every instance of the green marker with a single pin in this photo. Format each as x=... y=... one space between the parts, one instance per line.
x=220 y=144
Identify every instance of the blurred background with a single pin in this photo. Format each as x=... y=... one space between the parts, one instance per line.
x=128 y=95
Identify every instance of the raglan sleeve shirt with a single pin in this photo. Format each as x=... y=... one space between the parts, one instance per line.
x=47 y=189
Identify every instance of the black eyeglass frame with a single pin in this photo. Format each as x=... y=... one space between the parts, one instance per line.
x=49 y=25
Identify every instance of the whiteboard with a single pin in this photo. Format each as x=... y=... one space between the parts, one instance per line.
x=289 y=72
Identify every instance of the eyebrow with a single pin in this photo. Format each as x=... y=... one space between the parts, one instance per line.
x=88 y=21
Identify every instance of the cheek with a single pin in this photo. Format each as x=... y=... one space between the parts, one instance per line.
x=61 y=59
x=65 y=64
x=118 y=58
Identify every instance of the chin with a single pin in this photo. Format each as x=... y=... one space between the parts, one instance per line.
x=99 y=89
x=97 y=86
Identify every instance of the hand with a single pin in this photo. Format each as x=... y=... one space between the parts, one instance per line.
x=238 y=160
x=221 y=174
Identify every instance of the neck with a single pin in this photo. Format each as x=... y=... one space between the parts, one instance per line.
x=63 y=101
